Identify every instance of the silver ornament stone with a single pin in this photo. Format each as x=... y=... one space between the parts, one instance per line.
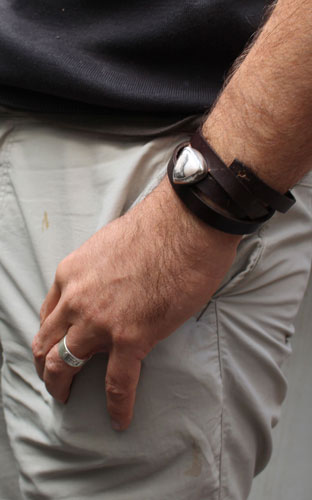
x=190 y=167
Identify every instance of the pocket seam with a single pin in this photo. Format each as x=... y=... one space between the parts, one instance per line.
x=254 y=259
x=5 y=165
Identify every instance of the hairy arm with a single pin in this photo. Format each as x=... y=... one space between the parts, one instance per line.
x=263 y=117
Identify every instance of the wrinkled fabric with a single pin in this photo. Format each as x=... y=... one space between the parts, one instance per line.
x=208 y=395
x=162 y=56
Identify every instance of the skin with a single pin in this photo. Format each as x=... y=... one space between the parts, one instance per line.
x=263 y=117
x=101 y=295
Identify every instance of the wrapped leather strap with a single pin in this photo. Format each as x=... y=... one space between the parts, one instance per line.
x=232 y=199
x=272 y=198
x=213 y=191
x=237 y=191
x=259 y=192
x=213 y=216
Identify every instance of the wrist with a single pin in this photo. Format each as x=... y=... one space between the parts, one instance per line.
x=195 y=231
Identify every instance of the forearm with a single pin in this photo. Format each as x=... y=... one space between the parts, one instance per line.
x=263 y=117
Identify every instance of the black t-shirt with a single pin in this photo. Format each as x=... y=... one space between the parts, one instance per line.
x=163 y=56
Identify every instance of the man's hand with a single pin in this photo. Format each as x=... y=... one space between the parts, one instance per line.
x=128 y=287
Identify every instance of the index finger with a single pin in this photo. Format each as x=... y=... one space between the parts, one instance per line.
x=122 y=377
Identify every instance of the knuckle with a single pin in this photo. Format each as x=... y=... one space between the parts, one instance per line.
x=37 y=350
x=62 y=269
x=91 y=317
x=116 y=393
x=51 y=365
x=60 y=272
x=72 y=301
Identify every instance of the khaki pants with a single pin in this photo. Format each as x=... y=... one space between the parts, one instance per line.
x=208 y=395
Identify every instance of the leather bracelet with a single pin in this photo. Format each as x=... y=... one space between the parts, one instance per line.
x=214 y=217
x=212 y=190
x=232 y=199
x=260 y=192
x=271 y=197
x=238 y=192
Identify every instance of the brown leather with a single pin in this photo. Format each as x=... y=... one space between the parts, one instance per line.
x=232 y=199
x=272 y=198
x=190 y=196
x=260 y=194
x=226 y=178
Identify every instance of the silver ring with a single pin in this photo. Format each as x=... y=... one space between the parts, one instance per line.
x=67 y=356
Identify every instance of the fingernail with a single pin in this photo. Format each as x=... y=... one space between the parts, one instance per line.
x=116 y=425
